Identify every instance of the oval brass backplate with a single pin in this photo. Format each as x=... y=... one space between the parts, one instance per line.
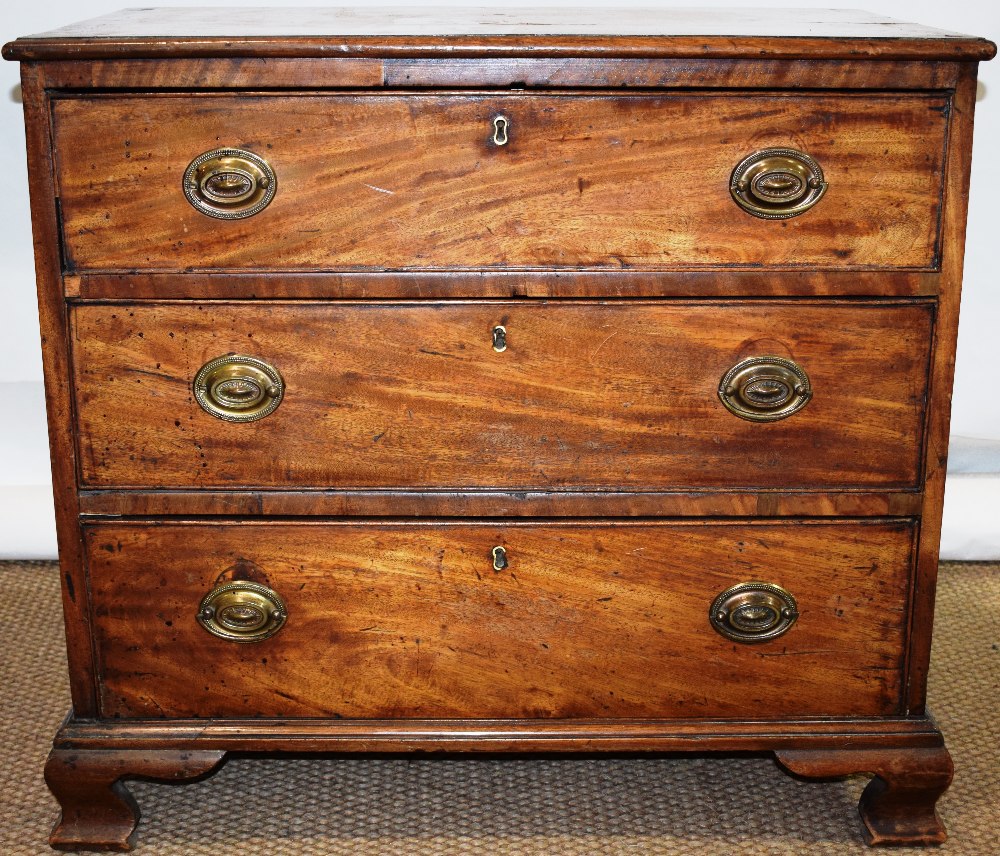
x=242 y=611
x=775 y=184
x=753 y=612
x=238 y=388
x=229 y=184
x=765 y=389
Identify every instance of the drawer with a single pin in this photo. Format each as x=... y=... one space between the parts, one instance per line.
x=388 y=620
x=618 y=395
x=384 y=181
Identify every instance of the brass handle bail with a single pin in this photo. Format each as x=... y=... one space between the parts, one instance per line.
x=765 y=389
x=229 y=184
x=238 y=388
x=242 y=611
x=753 y=612
x=776 y=184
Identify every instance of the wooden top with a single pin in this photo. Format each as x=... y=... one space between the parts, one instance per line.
x=682 y=33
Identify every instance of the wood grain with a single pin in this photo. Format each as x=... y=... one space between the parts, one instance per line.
x=224 y=284
x=414 y=182
x=594 y=449
x=941 y=381
x=668 y=73
x=97 y=810
x=754 y=33
x=898 y=805
x=424 y=502
x=616 y=396
x=507 y=735
x=53 y=318
x=235 y=73
x=589 y=619
x=274 y=23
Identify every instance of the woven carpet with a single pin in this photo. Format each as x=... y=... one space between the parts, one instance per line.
x=563 y=807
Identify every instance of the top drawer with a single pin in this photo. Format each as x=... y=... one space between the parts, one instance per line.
x=375 y=182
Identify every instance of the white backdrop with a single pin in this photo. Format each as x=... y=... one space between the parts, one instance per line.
x=972 y=510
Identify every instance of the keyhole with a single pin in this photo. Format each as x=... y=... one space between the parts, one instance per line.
x=500 y=130
x=499 y=338
x=499 y=558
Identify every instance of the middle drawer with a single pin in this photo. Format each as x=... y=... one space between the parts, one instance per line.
x=512 y=395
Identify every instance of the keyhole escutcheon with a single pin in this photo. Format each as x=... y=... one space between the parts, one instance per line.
x=500 y=125
x=499 y=558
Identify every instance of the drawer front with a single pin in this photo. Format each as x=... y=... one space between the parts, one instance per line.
x=621 y=395
x=419 y=181
x=390 y=620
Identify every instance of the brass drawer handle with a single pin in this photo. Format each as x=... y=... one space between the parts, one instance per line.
x=753 y=612
x=765 y=389
x=238 y=388
x=776 y=184
x=242 y=611
x=229 y=184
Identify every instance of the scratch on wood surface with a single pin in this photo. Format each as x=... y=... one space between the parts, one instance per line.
x=380 y=189
x=603 y=343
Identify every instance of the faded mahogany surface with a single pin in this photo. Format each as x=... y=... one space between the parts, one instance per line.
x=594 y=449
x=548 y=72
x=614 y=395
x=97 y=810
x=898 y=805
x=588 y=620
x=751 y=33
x=499 y=283
x=416 y=181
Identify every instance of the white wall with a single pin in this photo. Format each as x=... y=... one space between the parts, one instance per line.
x=26 y=527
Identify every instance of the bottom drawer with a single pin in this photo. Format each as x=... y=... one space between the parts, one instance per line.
x=427 y=620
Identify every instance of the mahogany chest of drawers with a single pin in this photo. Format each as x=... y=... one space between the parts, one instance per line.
x=457 y=383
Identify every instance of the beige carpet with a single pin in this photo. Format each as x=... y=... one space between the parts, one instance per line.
x=717 y=806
